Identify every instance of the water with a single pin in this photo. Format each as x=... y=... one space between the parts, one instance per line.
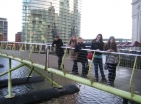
x=87 y=95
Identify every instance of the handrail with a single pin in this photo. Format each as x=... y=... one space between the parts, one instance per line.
x=106 y=52
x=49 y=44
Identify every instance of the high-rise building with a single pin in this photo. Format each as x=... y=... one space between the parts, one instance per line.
x=3 y=29
x=69 y=19
x=43 y=19
x=136 y=20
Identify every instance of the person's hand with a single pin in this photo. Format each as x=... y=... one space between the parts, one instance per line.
x=98 y=49
x=109 y=50
x=70 y=47
x=54 y=45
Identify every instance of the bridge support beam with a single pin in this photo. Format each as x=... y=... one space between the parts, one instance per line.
x=10 y=95
x=48 y=79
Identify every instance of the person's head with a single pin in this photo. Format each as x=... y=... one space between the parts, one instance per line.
x=74 y=37
x=56 y=38
x=80 y=40
x=111 y=44
x=99 y=37
x=111 y=39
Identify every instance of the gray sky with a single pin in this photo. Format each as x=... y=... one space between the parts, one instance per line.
x=109 y=17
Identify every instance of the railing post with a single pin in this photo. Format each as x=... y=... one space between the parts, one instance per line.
x=9 y=82
x=118 y=61
x=25 y=46
x=40 y=48
x=21 y=47
x=90 y=67
x=13 y=48
x=62 y=64
x=6 y=49
x=31 y=50
x=47 y=58
x=131 y=88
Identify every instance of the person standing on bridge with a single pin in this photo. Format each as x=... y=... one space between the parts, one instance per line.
x=82 y=56
x=112 y=60
x=98 y=44
x=57 y=43
x=73 y=55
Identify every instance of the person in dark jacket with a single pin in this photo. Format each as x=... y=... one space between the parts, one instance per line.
x=57 y=43
x=98 y=44
x=111 y=46
x=81 y=56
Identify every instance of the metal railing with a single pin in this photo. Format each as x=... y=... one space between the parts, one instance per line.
x=39 y=47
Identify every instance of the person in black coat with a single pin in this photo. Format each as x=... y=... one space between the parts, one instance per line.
x=81 y=55
x=98 y=44
x=57 y=43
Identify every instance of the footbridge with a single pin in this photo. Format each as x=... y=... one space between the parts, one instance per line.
x=37 y=55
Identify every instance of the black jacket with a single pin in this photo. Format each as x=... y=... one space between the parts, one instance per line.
x=82 y=55
x=59 y=50
x=97 y=45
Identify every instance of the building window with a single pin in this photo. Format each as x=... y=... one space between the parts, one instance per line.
x=1 y=23
x=40 y=22
x=62 y=3
x=33 y=22
x=5 y=23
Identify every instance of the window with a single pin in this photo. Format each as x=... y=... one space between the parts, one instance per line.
x=1 y=23
x=33 y=22
x=62 y=3
x=5 y=34
x=40 y=22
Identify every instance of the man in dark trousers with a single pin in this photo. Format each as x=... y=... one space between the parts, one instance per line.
x=57 y=43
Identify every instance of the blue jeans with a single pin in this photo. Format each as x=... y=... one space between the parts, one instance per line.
x=98 y=62
x=75 y=67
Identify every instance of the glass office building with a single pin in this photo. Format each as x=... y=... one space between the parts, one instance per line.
x=43 y=19
x=3 y=29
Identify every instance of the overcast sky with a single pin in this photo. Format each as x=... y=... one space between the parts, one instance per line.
x=109 y=17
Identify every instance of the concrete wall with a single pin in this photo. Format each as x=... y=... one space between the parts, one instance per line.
x=136 y=20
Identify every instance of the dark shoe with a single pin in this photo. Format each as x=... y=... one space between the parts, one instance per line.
x=96 y=80
x=75 y=73
x=84 y=76
x=109 y=83
x=59 y=68
x=103 y=80
x=71 y=72
x=112 y=84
